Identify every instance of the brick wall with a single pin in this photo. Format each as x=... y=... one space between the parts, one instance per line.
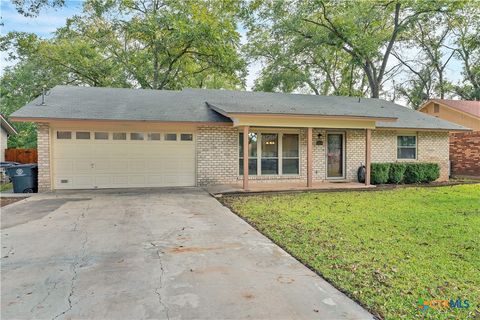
x=465 y=153
x=217 y=155
x=43 y=148
x=431 y=147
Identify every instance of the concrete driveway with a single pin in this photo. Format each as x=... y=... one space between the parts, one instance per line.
x=151 y=254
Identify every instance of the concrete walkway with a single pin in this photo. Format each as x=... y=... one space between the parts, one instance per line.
x=151 y=254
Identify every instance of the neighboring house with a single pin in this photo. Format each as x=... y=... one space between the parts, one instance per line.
x=464 y=146
x=116 y=138
x=7 y=130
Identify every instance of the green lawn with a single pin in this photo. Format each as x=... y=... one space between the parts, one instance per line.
x=6 y=186
x=385 y=249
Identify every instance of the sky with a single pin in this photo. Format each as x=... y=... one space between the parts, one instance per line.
x=50 y=19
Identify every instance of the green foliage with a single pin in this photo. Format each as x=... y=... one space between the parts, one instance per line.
x=421 y=172
x=332 y=47
x=379 y=173
x=385 y=249
x=170 y=44
x=404 y=172
x=396 y=172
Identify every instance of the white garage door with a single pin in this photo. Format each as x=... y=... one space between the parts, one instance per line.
x=89 y=159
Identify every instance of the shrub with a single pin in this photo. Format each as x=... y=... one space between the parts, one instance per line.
x=397 y=172
x=421 y=172
x=379 y=173
x=432 y=172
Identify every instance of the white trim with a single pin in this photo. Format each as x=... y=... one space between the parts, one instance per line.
x=279 y=133
x=416 y=146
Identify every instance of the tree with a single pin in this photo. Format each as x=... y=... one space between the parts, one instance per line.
x=467 y=46
x=170 y=44
x=365 y=31
x=31 y=8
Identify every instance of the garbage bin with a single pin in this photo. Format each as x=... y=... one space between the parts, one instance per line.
x=24 y=177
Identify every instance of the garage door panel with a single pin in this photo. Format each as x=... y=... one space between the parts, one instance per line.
x=122 y=164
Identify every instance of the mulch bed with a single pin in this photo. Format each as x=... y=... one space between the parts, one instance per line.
x=6 y=201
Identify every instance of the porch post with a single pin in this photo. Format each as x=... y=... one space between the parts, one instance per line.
x=309 y=157
x=368 y=155
x=245 y=158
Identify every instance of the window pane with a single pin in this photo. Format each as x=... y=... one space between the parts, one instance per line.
x=269 y=145
x=252 y=166
x=101 y=135
x=82 y=135
x=64 y=135
x=406 y=141
x=119 y=136
x=136 y=136
x=290 y=166
x=186 y=137
x=170 y=136
x=252 y=145
x=406 y=153
x=290 y=145
x=269 y=166
x=154 y=136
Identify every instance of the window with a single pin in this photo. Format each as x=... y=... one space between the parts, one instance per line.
x=153 y=136
x=290 y=154
x=119 y=136
x=186 y=137
x=170 y=137
x=406 y=147
x=136 y=136
x=64 y=135
x=82 y=135
x=436 y=108
x=252 y=153
x=269 y=161
x=101 y=135
x=271 y=153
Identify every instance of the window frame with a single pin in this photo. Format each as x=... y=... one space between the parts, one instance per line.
x=64 y=131
x=407 y=147
x=81 y=132
x=259 y=157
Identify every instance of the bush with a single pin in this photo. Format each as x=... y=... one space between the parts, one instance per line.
x=397 y=172
x=404 y=172
x=379 y=173
x=422 y=172
x=432 y=172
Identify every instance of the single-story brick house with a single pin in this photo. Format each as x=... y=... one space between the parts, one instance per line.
x=464 y=146
x=116 y=138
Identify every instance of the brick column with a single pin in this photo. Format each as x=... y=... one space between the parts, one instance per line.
x=43 y=149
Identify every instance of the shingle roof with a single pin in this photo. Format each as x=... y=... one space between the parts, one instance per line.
x=467 y=106
x=192 y=105
x=93 y=103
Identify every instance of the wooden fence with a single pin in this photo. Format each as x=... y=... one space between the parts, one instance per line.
x=21 y=155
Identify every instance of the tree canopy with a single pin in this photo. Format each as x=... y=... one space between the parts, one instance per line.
x=410 y=50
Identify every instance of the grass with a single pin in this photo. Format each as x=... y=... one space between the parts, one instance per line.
x=385 y=249
x=6 y=186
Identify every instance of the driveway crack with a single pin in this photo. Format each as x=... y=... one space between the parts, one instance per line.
x=75 y=266
x=157 y=290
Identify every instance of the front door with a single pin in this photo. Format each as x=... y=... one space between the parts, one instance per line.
x=335 y=155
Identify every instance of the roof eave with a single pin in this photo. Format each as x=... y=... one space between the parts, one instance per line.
x=7 y=126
